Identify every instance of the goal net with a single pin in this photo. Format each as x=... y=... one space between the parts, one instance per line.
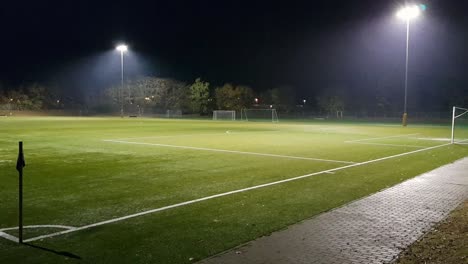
x=5 y=110
x=174 y=113
x=459 y=125
x=224 y=115
x=269 y=115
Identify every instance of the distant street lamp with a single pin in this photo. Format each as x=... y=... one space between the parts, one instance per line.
x=407 y=14
x=122 y=48
x=304 y=101
x=256 y=100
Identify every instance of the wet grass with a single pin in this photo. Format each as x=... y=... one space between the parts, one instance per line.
x=75 y=178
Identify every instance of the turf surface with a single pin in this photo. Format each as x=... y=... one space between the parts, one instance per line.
x=82 y=171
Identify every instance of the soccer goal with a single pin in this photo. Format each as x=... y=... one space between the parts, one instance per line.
x=459 y=125
x=259 y=115
x=5 y=110
x=224 y=115
x=173 y=113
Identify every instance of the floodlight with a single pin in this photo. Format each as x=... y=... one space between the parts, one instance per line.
x=409 y=12
x=122 y=48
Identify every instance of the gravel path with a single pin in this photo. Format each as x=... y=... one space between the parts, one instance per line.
x=374 y=229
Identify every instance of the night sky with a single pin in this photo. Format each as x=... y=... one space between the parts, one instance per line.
x=311 y=46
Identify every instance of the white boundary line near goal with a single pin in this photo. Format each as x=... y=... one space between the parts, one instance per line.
x=361 y=141
x=390 y=145
x=433 y=139
x=368 y=139
x=228 y=193
x=228 y=151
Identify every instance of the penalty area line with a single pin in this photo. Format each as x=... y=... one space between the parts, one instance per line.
x=229 y=193
x=229 y=151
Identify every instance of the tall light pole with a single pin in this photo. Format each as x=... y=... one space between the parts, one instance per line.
x=122 y=48
x=407 y=14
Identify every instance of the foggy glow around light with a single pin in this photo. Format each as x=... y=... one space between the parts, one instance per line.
x=122 y=48
x=409 y=12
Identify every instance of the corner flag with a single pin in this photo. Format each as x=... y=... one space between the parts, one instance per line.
x=20 y=162
x=19 y=167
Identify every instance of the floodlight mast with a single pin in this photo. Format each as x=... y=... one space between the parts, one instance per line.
x=122 y=48
x=407 y=14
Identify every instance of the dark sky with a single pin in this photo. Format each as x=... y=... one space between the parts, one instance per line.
x=309 y=45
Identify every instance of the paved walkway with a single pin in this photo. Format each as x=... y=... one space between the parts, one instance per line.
x=374 y=229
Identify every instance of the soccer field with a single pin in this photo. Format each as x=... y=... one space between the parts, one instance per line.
x=176 y=191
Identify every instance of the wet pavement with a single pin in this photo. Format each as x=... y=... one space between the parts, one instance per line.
x=374 y=229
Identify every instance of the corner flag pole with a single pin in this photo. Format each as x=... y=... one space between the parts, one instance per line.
x=19 y=167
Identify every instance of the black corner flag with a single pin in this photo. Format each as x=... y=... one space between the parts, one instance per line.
x=20 y=162
x=19 y=167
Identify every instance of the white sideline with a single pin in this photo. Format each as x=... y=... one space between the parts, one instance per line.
x=367 y=139
x=228 y=193
x=228 y=151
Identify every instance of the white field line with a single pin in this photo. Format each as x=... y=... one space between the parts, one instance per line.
x=460 y=141
x=368 y=139
x=390 y=145
x=9 y=237
x=228 y=193
x=434 y=139
x=228 y=151
x=200 y=134
x=38 y=226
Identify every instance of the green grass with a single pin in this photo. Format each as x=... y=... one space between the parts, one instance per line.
x=75 y=178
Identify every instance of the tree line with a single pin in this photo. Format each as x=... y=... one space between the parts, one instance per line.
x=29 y=97
x=155 y=95
x=148 y=95
x=200 y=97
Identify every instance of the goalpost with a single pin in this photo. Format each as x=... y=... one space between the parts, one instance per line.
x=259 y=114
x=459 y=116
x=224 y=115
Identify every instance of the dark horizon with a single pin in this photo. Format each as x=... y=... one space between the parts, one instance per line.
x=351 y=46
